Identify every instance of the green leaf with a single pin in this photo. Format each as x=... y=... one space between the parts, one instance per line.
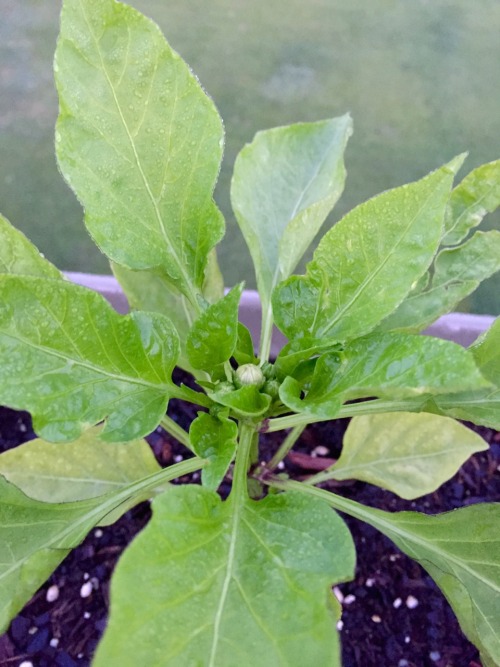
x=486 y=352
x=152 y=291
x=19 y=256
x=297 y=351
x=477 y=195
x=386 y=366
x=457 y=272
x=247 y=584
x=138 y=141
x=85 y=468
x=408 y=454
x=244 y=402
x=461 y=552
x=72 y=361
x=284 y=185
x=35 y=536
x=213 y=336
x=214 y=439
x=244 y=352
x=367 y=263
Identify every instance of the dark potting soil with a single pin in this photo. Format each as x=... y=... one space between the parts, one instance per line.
x=393 y=614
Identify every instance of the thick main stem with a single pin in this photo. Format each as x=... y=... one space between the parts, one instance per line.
x=286 y=446
x=246 y=440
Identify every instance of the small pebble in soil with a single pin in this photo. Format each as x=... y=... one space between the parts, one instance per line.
x=435 y=656
x=52 y=593
x=98 y=533
x=338 y=594
x=403 y=663
x=340 y=625
x=376 y=618
x=407 y=639
x=178 y=458
x=349 y=599
x=87 y=614
x=26 y=663
x=281 y=465
x=86 y=590
x=320 y=450
x=54 y=642
x=411 y=602
x=370 y=582
x=397 y=603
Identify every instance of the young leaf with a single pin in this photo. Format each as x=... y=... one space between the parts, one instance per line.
x=19 y=256
x=386 y=366
x=408 y=454
x=477 y=195
x=247 y=584
x=35 y=536
x=457 y=272
x=284 y=185
x=213 y=336
x=214 y=439
x=246 y=401
x=486 y=352
x=138 y=141
x=244 y=352
x=85 y=468
x=72 y=361
x=461 y=552
x=367 y=263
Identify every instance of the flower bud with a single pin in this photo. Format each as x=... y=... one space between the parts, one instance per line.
x=249 y=374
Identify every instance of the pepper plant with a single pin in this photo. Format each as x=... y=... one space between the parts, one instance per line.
x=244 y=579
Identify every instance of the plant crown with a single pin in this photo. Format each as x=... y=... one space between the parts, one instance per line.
x=245 y=579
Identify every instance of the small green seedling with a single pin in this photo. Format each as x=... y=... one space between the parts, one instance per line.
x=246 y=580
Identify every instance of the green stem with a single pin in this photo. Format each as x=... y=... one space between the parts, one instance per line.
x=266 y=332
x=285 y=447
x=371 y=407
x=246 y=441
x=176 y=431
x=189 y=395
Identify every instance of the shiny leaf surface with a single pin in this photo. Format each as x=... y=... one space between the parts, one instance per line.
x=367 y=263
x=408 y=454
x=457 y=272
x=385 y=366
x=138 y=141
x=72 y=361
x=284 y=185
x=19 y=256
x=477 y=195
x=247 y=584
x=213 y=336
x=214 y=439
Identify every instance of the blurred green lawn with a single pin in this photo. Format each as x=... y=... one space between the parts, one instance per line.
x=421 y=79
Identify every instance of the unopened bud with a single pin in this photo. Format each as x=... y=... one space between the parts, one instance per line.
x=249 y=374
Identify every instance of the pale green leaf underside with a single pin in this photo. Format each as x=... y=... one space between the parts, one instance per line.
x=247 y=585
x=19 y=256
x=480 y=407
x=72 y=361
x=36 y=536
x=138 y=141
x=85 y=468
x=284 y=185
x=367 y=263
x=408 y=454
